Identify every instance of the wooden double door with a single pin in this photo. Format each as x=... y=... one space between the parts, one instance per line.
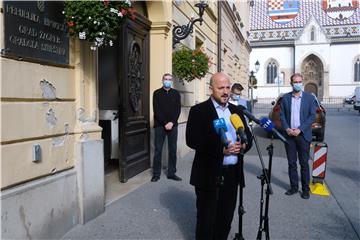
x=124 y=89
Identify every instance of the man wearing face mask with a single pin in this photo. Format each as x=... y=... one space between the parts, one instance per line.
x=297 y=114
x=235 y=98
x=167 y=106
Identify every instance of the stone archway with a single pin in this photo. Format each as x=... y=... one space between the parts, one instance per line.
x=312 y=70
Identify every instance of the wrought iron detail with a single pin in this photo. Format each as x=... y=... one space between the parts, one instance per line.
x=135 y=76
x=181 y=32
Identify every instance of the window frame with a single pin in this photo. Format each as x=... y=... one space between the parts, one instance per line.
x=273 y=65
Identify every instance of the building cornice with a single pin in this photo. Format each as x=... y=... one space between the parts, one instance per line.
x=248 y=46
x=161 y=27
x=345 y=40
x=211 y=14
x=280 y=43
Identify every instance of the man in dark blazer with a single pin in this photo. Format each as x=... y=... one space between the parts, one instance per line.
x=297 y=114
x=216 y=170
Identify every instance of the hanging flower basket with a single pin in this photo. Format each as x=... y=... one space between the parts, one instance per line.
x=97 y=21
x=189 y=64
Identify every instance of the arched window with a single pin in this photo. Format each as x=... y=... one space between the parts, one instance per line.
x=312 y=34
x=357 y=70
x=271 y=72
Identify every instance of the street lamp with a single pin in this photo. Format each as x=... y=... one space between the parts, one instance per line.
x=181 y=32
x=252 y=83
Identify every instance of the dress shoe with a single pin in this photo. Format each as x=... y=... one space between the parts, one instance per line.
x=291 y=191
x=155 y=178
x=174 y=177
x=305 y=195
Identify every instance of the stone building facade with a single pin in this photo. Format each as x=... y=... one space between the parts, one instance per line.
x=67 y=116
x=320 y=39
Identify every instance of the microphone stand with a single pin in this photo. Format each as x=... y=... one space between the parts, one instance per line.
x=241 y=211
x=265 y=178
x=264 y=218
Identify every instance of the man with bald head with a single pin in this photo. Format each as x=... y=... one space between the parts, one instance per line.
x=215 y=173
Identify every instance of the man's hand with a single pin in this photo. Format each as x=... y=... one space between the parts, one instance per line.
x=290 y=132
x=233 y=148
x=296 y=132
x=169 y=126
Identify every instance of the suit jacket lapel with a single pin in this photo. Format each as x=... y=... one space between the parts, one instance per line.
x=212 y=110
x=302 y=106
x=212 y=115
x=231 y=108
x=288 y=101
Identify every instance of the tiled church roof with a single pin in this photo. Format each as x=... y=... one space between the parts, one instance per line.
x=263 y=28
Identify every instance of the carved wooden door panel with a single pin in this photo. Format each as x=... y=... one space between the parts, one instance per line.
x=134 y=127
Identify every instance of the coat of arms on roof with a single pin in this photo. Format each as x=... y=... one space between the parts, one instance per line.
x=340 y=9
x=283 y=11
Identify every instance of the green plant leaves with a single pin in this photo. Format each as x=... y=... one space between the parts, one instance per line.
x=97 y=21
x=189 y=64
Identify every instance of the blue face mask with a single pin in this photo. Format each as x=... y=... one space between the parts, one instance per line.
x=297 y=87
x=236 y=97
x=167 y=84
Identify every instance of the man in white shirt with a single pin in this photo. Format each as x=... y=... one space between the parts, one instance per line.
x=217 y=170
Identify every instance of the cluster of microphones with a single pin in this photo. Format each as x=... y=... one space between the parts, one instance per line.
x=264 y=122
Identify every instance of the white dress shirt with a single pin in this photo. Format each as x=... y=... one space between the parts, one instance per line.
x=224 y=112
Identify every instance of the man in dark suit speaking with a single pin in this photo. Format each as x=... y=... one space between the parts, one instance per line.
x=216 y=169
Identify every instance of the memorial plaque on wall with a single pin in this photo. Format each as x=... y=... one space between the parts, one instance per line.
x=35 y=30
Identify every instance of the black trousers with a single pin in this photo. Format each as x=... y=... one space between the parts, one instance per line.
x=215 y=208
x=160 y=134
x=298 y=147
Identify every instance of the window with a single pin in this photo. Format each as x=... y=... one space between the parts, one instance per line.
x=271 y=72
x=357 y=70
x=280 y=79
x=312 y=34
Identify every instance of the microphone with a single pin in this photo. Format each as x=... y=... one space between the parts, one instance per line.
x=265 y=123
x=250 y=116
x=239 y=127
x=220 y=128
x=268 y=125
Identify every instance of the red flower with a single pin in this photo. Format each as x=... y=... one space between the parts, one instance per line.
x=70 y=24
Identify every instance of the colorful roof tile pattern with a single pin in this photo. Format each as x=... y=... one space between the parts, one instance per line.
x=283 y=11
x=263 y=28
x=340 y=9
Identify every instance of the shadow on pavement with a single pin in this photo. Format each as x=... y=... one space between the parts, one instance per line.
x=352 y=174
x=256 y=170
x=337 y=231
x=182 y=209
